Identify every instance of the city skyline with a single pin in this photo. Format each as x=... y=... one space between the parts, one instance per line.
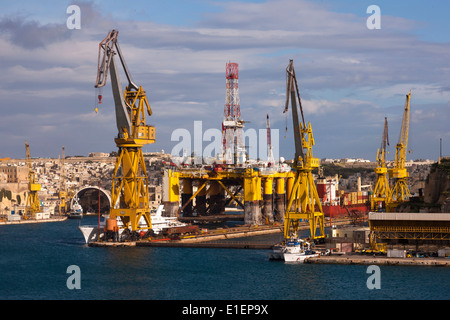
x=350 y=76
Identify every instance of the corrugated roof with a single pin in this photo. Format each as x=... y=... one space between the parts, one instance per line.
x=409 y=216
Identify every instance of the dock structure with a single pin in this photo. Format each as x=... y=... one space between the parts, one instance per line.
x=218 y=238
x=393 y=228
x=28 y=221
x=259 y=192
x=378 y=260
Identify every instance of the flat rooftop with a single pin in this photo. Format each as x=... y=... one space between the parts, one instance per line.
x=402 y=216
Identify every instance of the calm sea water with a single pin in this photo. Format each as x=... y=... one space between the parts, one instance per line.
x=34 y=259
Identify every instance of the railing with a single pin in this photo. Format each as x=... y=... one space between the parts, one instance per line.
x=410 y=229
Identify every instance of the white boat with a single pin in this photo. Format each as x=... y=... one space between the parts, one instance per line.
x=76 y=211
x=293 y=250
x=92 y=232
x=276 y=253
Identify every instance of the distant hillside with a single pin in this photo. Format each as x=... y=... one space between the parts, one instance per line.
x=437 y=186
x=346 y=171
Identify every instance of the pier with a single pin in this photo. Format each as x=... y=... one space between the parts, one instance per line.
x=224 y=244
x=23 y=221
x=217 y=238
x=355 y=259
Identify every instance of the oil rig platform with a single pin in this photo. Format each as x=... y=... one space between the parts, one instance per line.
x=259 y=192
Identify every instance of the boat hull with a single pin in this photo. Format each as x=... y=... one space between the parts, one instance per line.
x=74 y=216
x=298 y=257
x=293 y=250
x=92 y=233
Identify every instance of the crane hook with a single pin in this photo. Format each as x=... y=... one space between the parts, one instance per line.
x=99 y=99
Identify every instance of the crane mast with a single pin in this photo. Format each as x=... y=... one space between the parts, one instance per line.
x=62 y=187
x=303 y=198
x=381 y=190
x=400 y=191
x=129 y=194
x=33 y=203
x=270 y=158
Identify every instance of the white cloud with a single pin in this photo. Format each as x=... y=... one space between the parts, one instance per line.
x=345 y=72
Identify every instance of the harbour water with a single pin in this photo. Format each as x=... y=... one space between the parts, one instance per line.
x=34 y=259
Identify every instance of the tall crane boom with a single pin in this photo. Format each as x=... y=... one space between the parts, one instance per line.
x=107 y=48
x=129 y=195
x=292 y=93
x=62 y=186
x=381 y=190
x=33 y=203
x=384 y=144
x=400 y=191
x=304 y=202
x=131 y=106
x=270 y=158
x=402 y=145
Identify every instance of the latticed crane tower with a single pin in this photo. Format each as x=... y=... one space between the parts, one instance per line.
x=400 y=191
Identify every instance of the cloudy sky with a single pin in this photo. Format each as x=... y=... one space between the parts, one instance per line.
x=350 y=77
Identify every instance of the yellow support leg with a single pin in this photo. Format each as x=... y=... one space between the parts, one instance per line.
x=129 y=198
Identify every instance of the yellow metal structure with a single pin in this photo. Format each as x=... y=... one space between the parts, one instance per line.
x=381 y=190
x=62 y=188
x=252 y=186
x=303 y=199
x=33 y=203
x=129 y=194
x=400 y=190
x=247 y=187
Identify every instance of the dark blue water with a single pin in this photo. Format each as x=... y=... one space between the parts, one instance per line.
x=34 y=260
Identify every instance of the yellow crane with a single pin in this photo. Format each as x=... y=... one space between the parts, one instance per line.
x=400 y=191
x=303 y=198
x=381 y=190
x=62 y=187
x=129 y=194
x=33 y=203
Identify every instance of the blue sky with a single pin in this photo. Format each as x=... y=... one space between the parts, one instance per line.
x=350 y=77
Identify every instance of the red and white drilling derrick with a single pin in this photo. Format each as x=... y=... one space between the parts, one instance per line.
x=233 y=149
